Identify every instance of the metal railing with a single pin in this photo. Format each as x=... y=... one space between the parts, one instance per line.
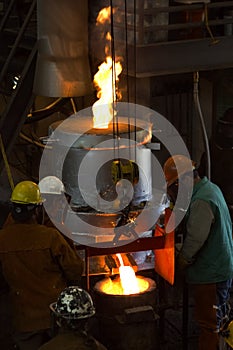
x=153 y=23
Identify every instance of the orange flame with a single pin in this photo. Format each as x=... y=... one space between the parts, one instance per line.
x=105 y=82
x=104 y=15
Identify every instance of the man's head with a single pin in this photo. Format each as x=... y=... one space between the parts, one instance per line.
x=51 y=185
x=25 y=199
x=56 y=199
x=178 y=168
x=73 y=306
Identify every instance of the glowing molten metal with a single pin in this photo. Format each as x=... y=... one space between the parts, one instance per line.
x=128 y=283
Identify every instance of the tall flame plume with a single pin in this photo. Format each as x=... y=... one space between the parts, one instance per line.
x=105 y=81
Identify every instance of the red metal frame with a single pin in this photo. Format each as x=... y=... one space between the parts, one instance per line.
x=140 y=244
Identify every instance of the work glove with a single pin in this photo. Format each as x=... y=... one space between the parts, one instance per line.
x=181 y=265
x=181 y=262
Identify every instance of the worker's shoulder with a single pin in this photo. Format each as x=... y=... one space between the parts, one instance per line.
x=25 y=229
x=95 y=344
x=89 y=342
x=72 y=340
x=52 y=230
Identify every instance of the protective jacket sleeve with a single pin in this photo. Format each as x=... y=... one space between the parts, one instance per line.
x=67 y=258
x=198 y=227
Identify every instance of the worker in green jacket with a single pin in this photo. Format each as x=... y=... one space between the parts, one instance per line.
x=206 y=256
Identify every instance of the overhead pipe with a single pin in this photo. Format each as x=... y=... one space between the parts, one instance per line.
x=63 y=68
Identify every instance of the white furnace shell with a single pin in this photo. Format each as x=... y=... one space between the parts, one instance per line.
x=95 y=149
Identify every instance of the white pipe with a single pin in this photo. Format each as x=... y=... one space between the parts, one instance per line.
x=198 y=107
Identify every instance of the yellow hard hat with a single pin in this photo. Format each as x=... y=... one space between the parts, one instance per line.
x=184 y=165
x=227 y=332
x=26 y=192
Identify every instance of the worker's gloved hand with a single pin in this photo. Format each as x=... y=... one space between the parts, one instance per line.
x=180 y=267
x=181 y=262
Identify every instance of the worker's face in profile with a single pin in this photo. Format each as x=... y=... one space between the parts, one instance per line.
x=172 y=191
x=186 y=181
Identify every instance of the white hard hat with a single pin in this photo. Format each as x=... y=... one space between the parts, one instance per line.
x=51 y=185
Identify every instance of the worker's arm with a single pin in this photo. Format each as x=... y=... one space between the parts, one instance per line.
x=67 y=258
x=197 y=229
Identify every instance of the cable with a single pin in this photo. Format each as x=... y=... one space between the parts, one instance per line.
x=28 y=139
x=214 y=40
x=126 y=50
x=8 y=170
x=45 y=112
x=198 y=107
x=127 y=70
x=114 y=95
x=73 y=105
x=135 y=74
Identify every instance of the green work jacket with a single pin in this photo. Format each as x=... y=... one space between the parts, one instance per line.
x=213 y=262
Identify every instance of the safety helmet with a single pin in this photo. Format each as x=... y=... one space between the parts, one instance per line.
x=74 y=303
x=26 y=192
x=175 y=166
x=227 y=332
x=51 y=185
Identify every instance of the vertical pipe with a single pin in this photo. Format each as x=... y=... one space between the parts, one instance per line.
x=87 y=268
